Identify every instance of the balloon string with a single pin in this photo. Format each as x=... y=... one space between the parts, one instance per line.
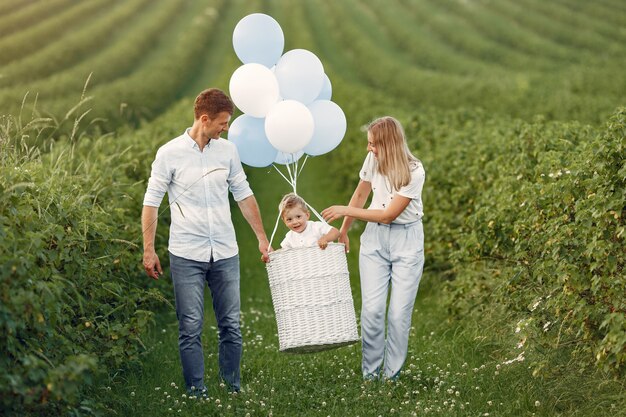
x=293 y=179
x=275 y=228
x=306 y=157
x=281 y=173
x=293 y=171
x=315 y=212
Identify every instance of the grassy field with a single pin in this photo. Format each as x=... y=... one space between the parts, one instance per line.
x=502 y=101
x=462 y=368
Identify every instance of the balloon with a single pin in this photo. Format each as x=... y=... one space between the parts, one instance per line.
x=327 y=90
x=258 y=38
x=300 y=75
x=254 y=89
x=330 y=127
x=248 y=134
x=289 y=126
x=287 y=158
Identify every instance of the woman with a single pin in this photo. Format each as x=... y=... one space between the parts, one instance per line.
x=392 y=245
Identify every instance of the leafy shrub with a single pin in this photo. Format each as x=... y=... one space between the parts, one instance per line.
x=530 y=219
x=69 y=260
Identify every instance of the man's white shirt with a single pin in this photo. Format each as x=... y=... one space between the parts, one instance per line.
x=197 y=184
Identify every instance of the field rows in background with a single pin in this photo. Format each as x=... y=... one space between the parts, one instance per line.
x=582 y=37
x=63 y=23
x=158 y=78
x=25 y=16
x=611 y=12
x=583 y=22
x=11 y=6
x=560 y=59
x=123 y=54
x=78 y=46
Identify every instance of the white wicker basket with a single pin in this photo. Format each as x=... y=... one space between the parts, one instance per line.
x=312 y=299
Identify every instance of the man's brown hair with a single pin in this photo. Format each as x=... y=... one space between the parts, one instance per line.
x=212 y=102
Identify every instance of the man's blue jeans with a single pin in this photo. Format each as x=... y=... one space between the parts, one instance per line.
x=189 y=278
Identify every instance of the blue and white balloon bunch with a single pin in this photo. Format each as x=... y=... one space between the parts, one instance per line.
x=285 y=98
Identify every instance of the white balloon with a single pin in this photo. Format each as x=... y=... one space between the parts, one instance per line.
x=300 y=75
x=254 y=89
x=289 y=126
x=330 y=127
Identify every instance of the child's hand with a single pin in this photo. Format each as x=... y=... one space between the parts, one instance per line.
x=322 y=243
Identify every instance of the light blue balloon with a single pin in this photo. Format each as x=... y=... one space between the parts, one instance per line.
x=300 y=75
x=327 y=90
x=248 y=134
x=258 y=38
x=330 y=127
x=283 y=158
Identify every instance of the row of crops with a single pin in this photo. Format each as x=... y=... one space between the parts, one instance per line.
x=525 y=213
x=561 y=60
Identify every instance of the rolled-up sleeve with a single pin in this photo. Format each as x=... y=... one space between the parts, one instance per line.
x=237 y=180
x=158 y=183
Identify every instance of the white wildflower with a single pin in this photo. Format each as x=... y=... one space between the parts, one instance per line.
x=534 y=306
x=519 y=358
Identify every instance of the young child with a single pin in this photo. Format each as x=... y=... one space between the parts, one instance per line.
x=302 y=231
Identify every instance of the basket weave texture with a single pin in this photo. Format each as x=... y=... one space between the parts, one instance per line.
x=312 y=299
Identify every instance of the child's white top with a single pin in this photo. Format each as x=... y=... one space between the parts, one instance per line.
x=308 y=237
x=383 y=192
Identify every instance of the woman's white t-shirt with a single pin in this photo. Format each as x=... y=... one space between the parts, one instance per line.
x=308 y=237
x=383 y=192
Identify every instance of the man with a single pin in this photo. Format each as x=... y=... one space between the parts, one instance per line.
x=197 y=169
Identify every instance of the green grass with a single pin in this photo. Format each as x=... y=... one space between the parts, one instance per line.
x=453 y=368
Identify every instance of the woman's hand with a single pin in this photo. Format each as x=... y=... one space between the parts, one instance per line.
x=333 y=213
x=343 y=238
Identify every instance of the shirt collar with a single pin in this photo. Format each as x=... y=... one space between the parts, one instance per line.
x=189 y=140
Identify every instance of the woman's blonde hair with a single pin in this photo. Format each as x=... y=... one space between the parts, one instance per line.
x=291 y=200
x=395 y=160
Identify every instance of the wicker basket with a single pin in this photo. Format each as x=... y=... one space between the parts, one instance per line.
x=312 y=299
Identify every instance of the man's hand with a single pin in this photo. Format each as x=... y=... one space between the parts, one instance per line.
x=265 y=249
x=250 y=210
x=152 y=265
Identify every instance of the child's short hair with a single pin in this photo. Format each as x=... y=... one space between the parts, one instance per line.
x=292 y=200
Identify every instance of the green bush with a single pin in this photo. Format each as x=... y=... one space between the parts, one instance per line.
x=528 y=219
x=71 y=303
